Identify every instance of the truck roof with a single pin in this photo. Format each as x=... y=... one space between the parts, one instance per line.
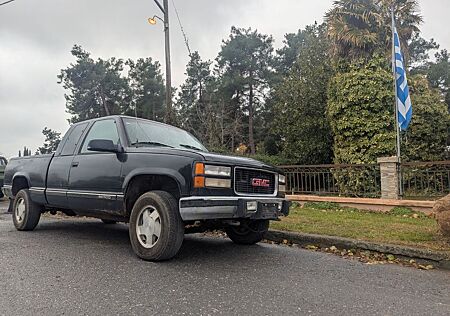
x=122 y=116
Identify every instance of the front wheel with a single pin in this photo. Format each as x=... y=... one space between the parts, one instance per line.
x=26 y=213
x=248 y=233
x=156 y=228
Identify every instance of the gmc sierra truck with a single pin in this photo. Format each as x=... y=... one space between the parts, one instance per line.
x=158 y=178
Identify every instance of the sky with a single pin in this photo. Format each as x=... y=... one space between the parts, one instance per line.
x=36 y=37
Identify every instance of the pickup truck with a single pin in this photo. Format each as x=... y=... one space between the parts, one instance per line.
x=3 y=163
x=157 y=178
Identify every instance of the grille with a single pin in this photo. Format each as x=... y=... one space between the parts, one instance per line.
x=243 y=181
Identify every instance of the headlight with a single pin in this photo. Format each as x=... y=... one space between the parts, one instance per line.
x=204 y=176
x=281 y=178
x=217 y=183
x=217 y=170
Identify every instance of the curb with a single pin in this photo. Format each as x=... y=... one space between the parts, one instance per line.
x=440 y=259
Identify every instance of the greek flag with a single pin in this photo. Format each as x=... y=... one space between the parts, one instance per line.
x=404 y=106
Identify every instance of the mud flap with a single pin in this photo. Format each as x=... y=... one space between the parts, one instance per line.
x=10 y=207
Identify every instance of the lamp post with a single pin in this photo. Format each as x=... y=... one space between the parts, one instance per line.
x=168 y=118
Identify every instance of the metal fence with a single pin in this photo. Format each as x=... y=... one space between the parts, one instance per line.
x=420 y=180
x=353 y=180
x=425 y=180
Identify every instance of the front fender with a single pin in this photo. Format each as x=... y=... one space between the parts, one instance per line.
x=179 y=179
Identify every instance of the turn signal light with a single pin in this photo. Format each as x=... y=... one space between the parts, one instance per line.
x=199 y=168
x=199 y=182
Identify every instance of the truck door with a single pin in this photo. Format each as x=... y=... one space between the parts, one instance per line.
x=95 y=182
x=58 y=172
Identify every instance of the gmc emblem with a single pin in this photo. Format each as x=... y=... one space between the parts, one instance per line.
x=256 y=182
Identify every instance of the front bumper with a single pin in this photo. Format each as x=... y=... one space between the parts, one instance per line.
x=222 y=207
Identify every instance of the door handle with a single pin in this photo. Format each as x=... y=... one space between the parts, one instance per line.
x=75 y=164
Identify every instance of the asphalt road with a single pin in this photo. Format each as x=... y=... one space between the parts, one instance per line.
x=85 y=267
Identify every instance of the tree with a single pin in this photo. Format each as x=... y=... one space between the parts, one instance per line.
x=361 y=28
x=245 y=64
x=438 y=73
x=148 y=91
x=419 y=50
x=96 y=88
x=52 y=140
x=26 y=152
x=426 y=137
x=300 y=110
x=288 y=55
x=361 y=114
x=200 y=108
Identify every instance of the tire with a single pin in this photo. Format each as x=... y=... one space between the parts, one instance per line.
x=108 y=222
x=26 y=213
x=248 y=233
x=157 y=209
x=1 y=193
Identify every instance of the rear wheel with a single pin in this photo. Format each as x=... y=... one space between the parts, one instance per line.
x=26 y=213
x=248 y=233
x=156 y=228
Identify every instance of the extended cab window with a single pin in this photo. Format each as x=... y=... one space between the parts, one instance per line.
x=73 y=139
x=104 y=129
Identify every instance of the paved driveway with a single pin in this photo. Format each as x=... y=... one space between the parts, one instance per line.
x=73 y=266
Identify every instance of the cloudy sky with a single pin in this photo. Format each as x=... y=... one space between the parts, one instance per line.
x=36 y=37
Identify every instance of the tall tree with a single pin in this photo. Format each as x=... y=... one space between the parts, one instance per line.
x=148 y=91
x=52 y=140
x=300 y=110
x=360 y=28
x=245 y=65
x=287 y=56
x=438 y=73
x=419 y=50
x=95 y=87
x=196 y=100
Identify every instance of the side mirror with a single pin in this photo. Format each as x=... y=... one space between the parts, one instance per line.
x=105 y=145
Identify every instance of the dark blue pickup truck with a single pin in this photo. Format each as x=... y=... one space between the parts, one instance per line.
x=156 y=177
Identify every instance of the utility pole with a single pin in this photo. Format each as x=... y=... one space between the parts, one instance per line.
x=169 y=114
x=168 y=117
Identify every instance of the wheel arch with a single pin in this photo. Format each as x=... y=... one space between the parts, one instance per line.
x=144 y=180
x=19 y=182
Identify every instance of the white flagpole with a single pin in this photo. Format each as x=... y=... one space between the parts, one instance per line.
x=397 y=126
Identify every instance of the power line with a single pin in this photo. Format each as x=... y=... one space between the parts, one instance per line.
x=182 y=29
x=6 y=2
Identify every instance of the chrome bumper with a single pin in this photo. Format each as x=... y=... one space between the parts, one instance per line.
x=223 y=207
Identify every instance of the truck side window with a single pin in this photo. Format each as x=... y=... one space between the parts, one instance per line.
x=73 y=139
x=104 y=129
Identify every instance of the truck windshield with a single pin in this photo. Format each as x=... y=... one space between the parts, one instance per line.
x=153 y=134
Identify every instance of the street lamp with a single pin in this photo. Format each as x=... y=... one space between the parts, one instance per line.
x=165 y=10
x=152 y=20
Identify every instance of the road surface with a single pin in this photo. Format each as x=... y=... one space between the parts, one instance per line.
x=79 y=266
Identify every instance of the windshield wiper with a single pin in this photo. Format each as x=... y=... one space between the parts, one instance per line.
x=151 y=143
x=191 y=147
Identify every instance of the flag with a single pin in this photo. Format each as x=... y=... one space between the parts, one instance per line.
x=404 y=106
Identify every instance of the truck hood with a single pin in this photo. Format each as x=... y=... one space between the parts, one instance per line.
x=236 y=161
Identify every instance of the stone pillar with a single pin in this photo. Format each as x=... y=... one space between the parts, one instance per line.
x=389 y=178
